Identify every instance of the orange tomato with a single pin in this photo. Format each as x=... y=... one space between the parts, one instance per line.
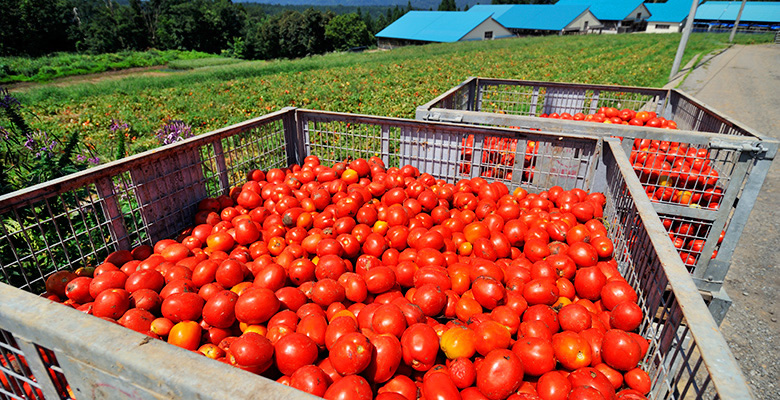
x=185 y=334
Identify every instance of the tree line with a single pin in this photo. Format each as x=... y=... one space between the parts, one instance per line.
x=39 y=27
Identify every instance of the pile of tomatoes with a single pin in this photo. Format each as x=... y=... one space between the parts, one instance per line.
x=611 y=115
x=671 y=172
x=358 y=281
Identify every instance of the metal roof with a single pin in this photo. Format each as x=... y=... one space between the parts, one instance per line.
x=755 y=11
x=533 y=16
x=671 y=11
x=434 y=26
x=607 y=10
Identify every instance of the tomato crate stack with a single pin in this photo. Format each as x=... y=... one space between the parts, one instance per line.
x=703 y=177
x=48 y=350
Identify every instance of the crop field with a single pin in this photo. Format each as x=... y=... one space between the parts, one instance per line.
x=391 y=83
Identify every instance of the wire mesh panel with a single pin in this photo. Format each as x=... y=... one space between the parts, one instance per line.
x=714 y=177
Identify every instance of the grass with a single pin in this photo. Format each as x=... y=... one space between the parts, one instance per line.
x=202 y=62
x=43 y=69
x=391 y=83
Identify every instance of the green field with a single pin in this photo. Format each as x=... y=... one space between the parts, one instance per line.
x=391 y=83
x=43 y=69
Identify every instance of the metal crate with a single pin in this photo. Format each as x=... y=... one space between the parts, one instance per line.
x=740 y=156
x=76 y=220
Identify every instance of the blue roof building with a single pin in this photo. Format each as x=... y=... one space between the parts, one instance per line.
x=755 y=12
x=521 y=18
x=417 y=27
x=668 y=17
x=618 y=15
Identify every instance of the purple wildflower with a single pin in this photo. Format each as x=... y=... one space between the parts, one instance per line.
x=4 y=133
x=81 y=158
x=118 y=124
x=40 y=143
x=174 y=131
x=7 y=100
x=94 y=160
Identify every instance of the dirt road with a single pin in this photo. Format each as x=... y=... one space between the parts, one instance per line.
x=744 y=83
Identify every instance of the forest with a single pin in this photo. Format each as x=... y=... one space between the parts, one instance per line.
x=35 y=28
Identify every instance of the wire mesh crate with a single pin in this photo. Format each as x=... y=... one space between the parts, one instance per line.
x=733 y=159
x=51 y=351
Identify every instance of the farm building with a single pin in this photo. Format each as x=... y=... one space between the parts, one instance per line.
x=668 y=17
x=616 y=16
x=758 y=16
x=523 y=19
x=420 y=27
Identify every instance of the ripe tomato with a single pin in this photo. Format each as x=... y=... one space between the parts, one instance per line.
x=419 y=346
x=620 y=351
x=536 y=354
x=553 y=385
x=351 y=353
x=219 y=310
x=256 y=305
x=500 y=374
x=571 y=350
x=294 y=351
x=351 y=387
x=185 y=334
x=458 y=342
x=310 y=379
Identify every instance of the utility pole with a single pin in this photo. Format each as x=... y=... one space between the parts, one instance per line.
x=736 y=23
x=684 y=40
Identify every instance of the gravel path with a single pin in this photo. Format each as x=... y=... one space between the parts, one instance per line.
x=744 y=84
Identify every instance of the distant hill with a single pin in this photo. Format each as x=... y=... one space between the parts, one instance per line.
x=418 y=4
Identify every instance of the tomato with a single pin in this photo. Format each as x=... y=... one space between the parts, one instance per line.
x=148 y=279
x=553 y=385
x=438 y=385
x=293 y=351
x=537 y=355
x=256 y=305
x=57 y=282
x=500 y=374
x=77 y=290
x=614 y=377
x=588 y=283
x=594 y=379
x=488 y=292
x=185 y=306
x=541 y=291
x=638 y=380
x=583 y=254
x=351 y=353
x=431 y=299
x=462 y=372
x=491 y=335
x=351 y=387
x=627 y=316
x=310 y=379
x=219 y=310
x=145 y=299
x=389 y=319
x=571 y=350
x=617 y=291
x=458 y=342
x=385 y=359
x=419 y=346
x=107 y=280
x=620 y=351
x=111 y=303
x=252 y=350
x=185 y=334
x=402 y=385
x=574 y=317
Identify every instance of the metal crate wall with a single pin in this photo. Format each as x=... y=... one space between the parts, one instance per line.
x=740 y=156
x=49 y=350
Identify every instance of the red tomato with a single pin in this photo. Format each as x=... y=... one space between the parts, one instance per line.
x=620 y=351
x=500 y=374
x=351 y=387
x=294 y=351
x=351 y=353
x=219 y=310
x=537 y=355
x=553 y=385
x=256 y=305
x=419 y=346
